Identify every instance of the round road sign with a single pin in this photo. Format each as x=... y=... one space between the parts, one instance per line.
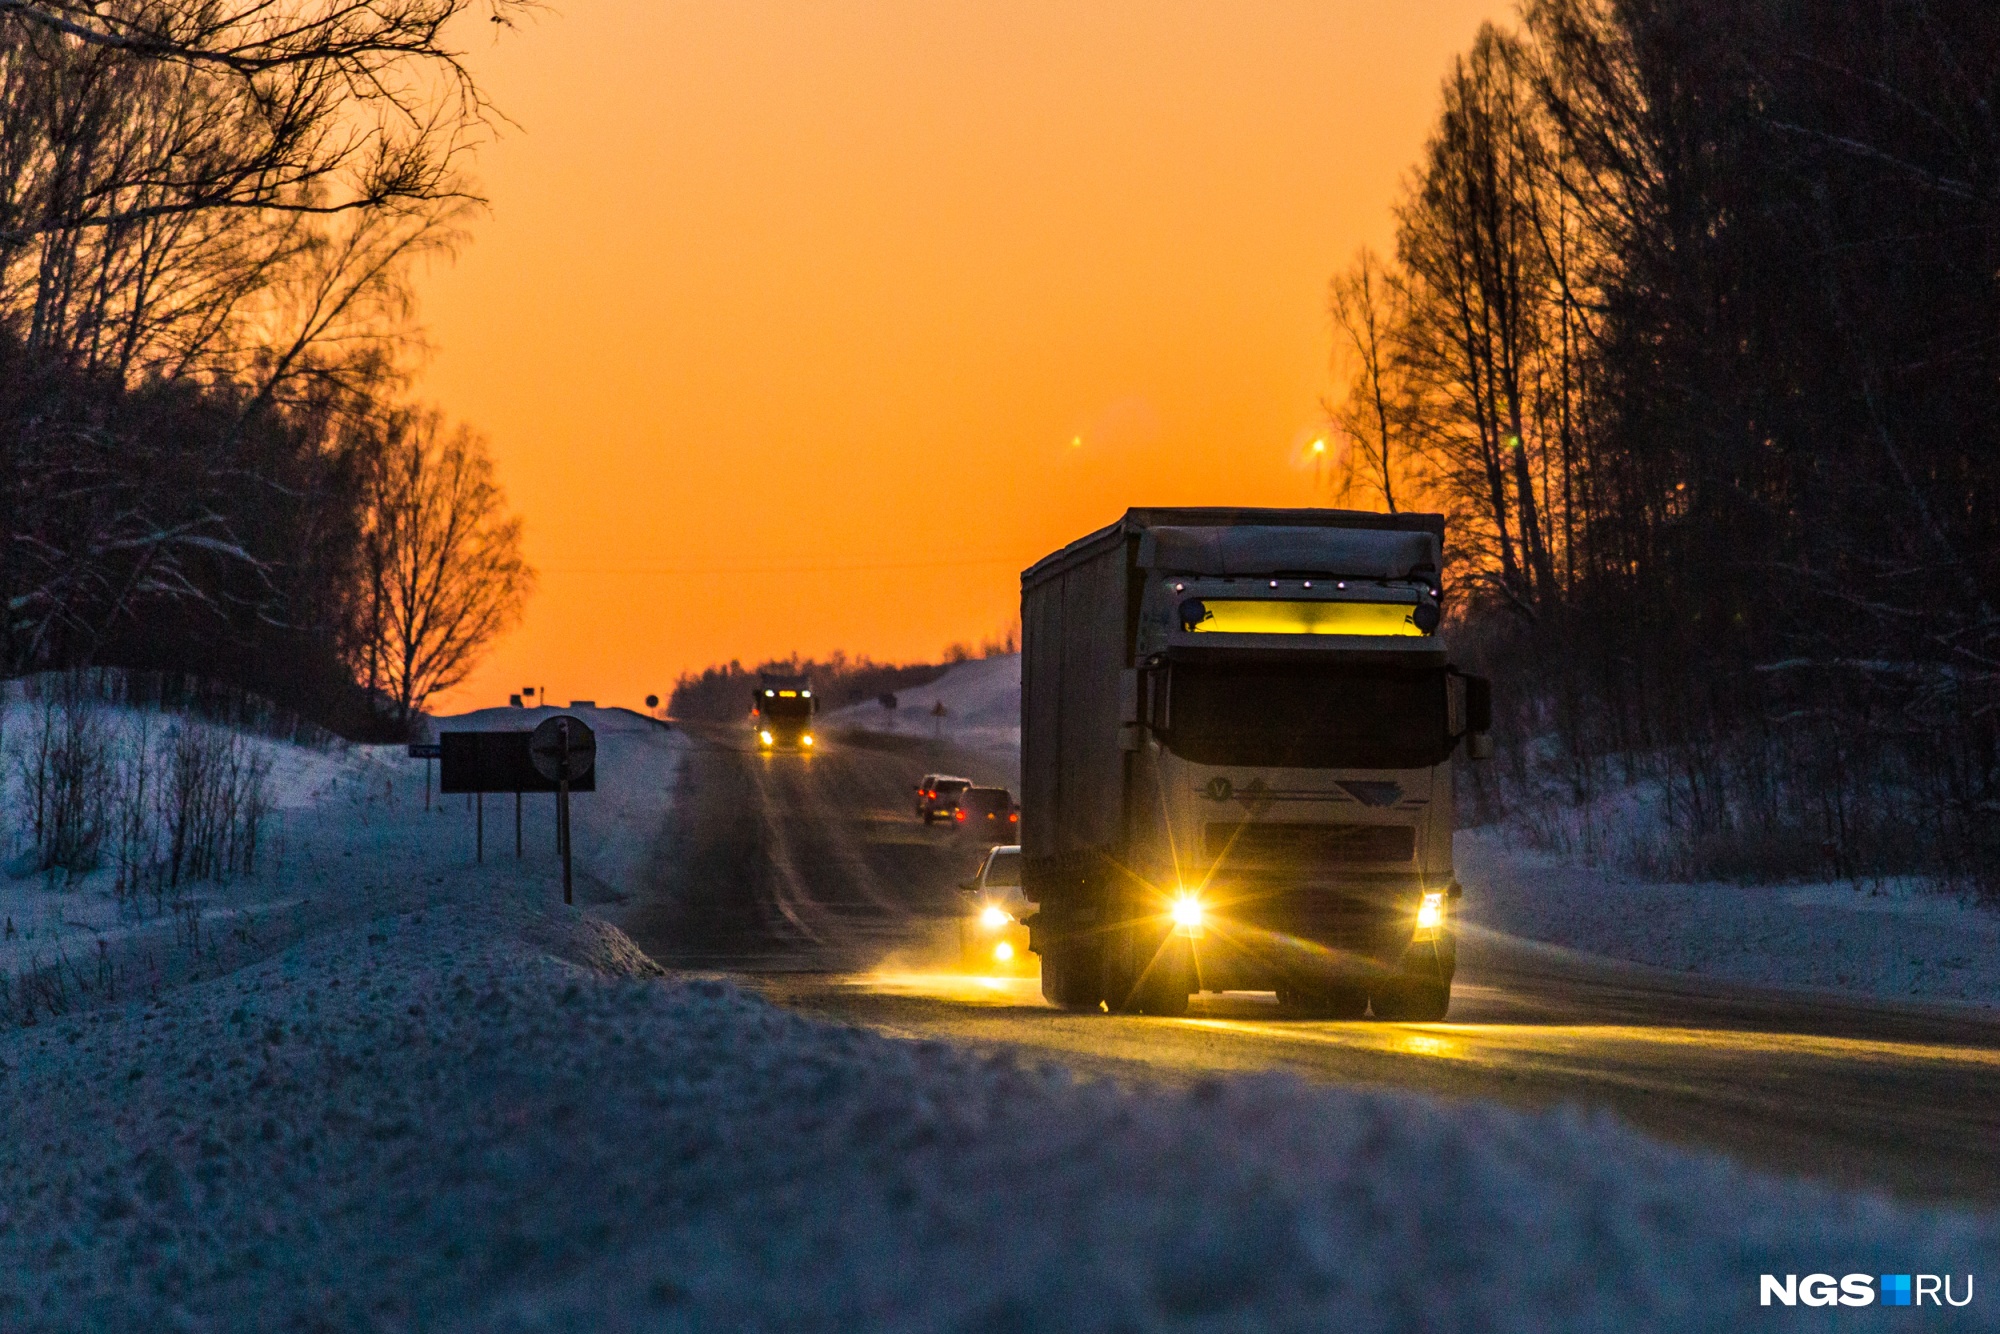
x=563 y=749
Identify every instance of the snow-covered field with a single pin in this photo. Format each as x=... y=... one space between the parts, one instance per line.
x=431 y=1097
x=981 y=698
x=350 y=836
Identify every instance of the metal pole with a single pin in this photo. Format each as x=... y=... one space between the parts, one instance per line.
x=517 y=826
x=562 y=831
x=479 y=839
x=562 y=806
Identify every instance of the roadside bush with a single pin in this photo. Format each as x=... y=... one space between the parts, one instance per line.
x=65 y=775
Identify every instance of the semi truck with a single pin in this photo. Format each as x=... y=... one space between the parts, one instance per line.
x=1238 y=731
x=781 y=711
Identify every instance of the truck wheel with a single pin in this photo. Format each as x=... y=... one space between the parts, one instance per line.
x=1323 y=1002
x=1162 y=989
x=1072 y=977
x=1413 y=1002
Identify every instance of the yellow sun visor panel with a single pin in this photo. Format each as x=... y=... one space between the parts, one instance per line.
x=1272 y=617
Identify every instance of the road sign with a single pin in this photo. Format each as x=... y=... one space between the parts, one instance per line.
x=563 y=749
x=497 y=762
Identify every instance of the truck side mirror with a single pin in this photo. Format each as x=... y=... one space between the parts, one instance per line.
x=1478 y=718
x=1478 y=705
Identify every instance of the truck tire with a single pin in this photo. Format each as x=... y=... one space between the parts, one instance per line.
x=1423 y=1002
x=1072 y=976
x=1323 y=1002
x=1161 y=988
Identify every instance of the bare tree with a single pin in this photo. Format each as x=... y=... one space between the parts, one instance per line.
x=444 y=570
x=1366 y=304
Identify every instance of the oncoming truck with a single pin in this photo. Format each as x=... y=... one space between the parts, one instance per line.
x=1238 y=728
x=781 y=711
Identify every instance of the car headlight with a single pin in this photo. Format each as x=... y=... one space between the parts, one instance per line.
x=993 y=917
x=807 y=738
x=766 y=738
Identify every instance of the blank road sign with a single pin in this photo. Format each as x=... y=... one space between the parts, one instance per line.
x=495 y=762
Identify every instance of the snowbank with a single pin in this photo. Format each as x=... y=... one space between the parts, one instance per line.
x=484 y=1116
x=1893 y=938
x=982 y=701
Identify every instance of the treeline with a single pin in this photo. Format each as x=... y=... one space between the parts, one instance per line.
x=209 y=458
x=722 y=693
x=1693 y=327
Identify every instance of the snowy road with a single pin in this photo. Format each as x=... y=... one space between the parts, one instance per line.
x=809 y=875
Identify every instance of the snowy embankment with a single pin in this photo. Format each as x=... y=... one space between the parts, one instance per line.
x=487 y=1116
x=982 y=708
x=1901 y=938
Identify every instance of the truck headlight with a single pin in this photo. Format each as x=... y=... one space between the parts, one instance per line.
x=1430 y=913
x=1188 y=914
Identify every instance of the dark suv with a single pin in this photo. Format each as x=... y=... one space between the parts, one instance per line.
x=937 y=796
x=991 y=810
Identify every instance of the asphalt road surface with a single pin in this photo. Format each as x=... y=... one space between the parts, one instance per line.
x=810 y=878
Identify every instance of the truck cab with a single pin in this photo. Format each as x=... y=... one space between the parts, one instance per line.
x=781 y=712
x=1238 y=736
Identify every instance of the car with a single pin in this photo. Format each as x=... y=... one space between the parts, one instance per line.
x=992 y=811
x=991 y=938
x=937 y=796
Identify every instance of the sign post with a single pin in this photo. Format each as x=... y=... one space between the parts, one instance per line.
x=426 y=751
x=563 y=749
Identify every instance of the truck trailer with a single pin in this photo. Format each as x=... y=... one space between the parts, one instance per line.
x=781 y=711
x=1237 y=735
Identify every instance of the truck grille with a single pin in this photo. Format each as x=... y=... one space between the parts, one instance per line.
x=1302 y=847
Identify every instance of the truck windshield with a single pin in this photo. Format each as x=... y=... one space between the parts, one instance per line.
x=1309 y=716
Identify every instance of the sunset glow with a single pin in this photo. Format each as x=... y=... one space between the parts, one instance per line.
x=806 y=327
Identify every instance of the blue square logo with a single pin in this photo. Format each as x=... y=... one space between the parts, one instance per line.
x=1895 y=1289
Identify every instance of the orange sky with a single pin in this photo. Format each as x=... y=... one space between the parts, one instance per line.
x=775 y=289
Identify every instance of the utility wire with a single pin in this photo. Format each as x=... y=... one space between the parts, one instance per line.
x=776 y=569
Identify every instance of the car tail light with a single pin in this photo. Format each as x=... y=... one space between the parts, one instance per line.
x=959 y=814
x=1013 y=817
